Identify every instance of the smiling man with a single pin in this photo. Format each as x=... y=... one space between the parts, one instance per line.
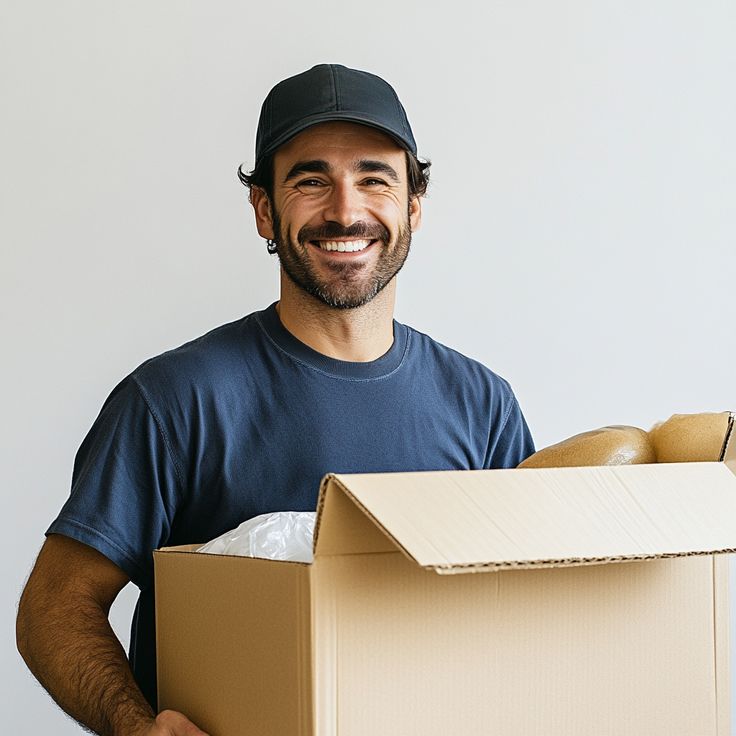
x=341 y=218
x=248 y=418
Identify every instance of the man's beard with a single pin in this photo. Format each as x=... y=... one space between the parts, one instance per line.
x=348 y=285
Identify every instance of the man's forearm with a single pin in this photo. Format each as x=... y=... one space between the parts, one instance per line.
x=72 y=650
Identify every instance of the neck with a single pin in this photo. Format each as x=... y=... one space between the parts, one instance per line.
x=358 y=335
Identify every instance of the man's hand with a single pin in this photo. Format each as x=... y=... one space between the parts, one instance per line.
x=171 y=723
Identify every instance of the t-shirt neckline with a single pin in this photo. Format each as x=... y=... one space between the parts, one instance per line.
x=387 y=363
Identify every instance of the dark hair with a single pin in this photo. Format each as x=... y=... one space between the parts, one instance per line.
x=417 y=173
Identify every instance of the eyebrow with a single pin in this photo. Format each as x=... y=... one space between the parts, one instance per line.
x=377 y=167
x=308 y=167
x=319 y=166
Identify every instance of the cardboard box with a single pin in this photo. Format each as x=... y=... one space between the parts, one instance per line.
x=468 y=603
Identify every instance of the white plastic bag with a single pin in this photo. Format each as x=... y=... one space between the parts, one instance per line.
x=282 y=535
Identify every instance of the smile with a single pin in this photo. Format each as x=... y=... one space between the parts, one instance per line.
x=343 y=246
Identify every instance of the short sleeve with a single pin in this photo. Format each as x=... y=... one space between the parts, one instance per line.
x=514 y=443
x=125 y=485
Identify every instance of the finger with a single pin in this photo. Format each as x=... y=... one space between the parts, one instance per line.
x=177 y=724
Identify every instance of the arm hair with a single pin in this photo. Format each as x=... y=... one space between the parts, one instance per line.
x=65 y=638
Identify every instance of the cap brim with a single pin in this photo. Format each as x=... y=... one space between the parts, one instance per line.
x=337 y=115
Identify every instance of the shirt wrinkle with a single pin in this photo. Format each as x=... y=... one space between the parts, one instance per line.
x=164 y=437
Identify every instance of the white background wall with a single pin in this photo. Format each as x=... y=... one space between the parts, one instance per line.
x=578 y=238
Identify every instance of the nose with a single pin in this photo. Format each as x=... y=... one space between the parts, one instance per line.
x=344 y=204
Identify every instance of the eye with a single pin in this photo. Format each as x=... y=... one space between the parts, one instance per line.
x=310 y=186
x=374 y=183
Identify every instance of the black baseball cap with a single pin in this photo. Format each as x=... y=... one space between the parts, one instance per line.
x=330 y=92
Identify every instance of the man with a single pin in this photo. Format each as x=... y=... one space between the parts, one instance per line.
x=248 y=418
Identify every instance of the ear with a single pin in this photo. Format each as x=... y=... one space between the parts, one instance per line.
x=415 y=213
x=263 y=212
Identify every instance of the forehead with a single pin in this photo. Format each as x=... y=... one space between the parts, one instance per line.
x=338 y=141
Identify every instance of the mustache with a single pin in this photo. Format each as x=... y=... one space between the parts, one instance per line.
x=333 y=231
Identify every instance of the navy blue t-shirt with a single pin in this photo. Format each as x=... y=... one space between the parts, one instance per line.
x=247 y=419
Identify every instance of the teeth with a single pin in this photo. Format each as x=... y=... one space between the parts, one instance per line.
x=343 y=246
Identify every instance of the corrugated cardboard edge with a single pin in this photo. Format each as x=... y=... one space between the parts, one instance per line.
x=326 y=480
x=320 y=506
x=728 y=451
x=333 y=479
x=570 y=562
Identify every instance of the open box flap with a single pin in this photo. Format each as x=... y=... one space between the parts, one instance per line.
x=466 y=521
